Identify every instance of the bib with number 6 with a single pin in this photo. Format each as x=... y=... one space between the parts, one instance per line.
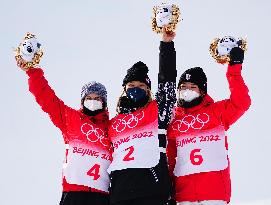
x=93 y=163
x=202 y=151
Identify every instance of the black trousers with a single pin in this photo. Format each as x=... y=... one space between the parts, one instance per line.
x=153 y=200
x=84 y=198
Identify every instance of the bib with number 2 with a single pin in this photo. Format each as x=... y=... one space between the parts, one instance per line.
x=136 y=149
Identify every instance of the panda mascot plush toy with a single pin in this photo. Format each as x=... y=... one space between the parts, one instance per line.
x=220 y=48
x=165 y=15
x=29 y=51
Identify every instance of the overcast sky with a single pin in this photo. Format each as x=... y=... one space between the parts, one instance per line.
x=100 y=40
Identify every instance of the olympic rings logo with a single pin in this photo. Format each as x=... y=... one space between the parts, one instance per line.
x=94 y=134
x=190 y=121
x=129 y=121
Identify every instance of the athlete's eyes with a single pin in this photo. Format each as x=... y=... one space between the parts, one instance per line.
x=97 y=98
x=142 y=85
x=130 y=85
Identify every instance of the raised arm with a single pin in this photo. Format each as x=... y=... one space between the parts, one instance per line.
x=166 y=96
x=47 y=99
x=230 y=110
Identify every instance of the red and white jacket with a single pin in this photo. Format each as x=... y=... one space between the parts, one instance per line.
x=197 y=143
x=135 y=136
x=88 y=154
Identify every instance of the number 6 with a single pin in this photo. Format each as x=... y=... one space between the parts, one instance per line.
x=196 y=159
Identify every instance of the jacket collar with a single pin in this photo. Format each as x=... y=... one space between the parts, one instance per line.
x=207 y=100
x=101 y=119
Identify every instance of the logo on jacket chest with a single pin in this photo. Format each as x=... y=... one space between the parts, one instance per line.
x=128 y=121
x=94 y=134
x=195 y=122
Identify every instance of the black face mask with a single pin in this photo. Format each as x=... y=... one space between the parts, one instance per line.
x=128 y=105
x=90 y=112
x=193 y=103
x=136 y=94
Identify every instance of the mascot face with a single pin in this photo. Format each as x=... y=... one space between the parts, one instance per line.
x=28 y=49
x=226 y=44
x=163 y=15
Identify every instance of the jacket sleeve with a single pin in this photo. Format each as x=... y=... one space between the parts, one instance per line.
x=230 y=110
x=46 y=98
x=166 y=96
x=171 y=155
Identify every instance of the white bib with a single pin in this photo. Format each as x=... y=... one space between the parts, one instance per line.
x=202 y=152
x=138 y=149
x=87 y=165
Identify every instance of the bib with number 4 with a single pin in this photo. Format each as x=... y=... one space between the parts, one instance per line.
x=136 y=149
x=202 y=151
x=87 y=165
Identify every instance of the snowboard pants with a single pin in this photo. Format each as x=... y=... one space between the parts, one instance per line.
x=207 y=202
x=84 y=198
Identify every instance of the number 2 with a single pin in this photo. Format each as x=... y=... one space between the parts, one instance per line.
x=94 y=171
x=128 y=157
x=196 y=159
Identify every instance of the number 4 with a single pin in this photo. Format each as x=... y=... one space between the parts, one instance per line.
x=94 y=171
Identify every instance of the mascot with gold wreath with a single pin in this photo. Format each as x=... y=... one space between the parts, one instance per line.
x=220 y=48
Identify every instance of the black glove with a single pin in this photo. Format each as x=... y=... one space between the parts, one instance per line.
x=236 y=56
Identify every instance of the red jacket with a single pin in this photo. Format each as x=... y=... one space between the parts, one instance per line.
x=87 y=146
x=197 y=136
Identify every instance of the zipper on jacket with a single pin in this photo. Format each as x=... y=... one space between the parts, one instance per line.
x=154 y=174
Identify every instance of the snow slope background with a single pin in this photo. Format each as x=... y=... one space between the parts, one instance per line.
x=100 y=40
x=260 y=202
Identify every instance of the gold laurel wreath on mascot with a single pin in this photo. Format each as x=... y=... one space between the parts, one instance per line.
x=171 y=19
x=29 y=51
x=220 y=48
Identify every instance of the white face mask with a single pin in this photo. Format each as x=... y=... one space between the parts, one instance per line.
x=188 y=95
x=93 y=105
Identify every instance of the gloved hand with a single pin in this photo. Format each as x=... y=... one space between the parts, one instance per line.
x=236 y=56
